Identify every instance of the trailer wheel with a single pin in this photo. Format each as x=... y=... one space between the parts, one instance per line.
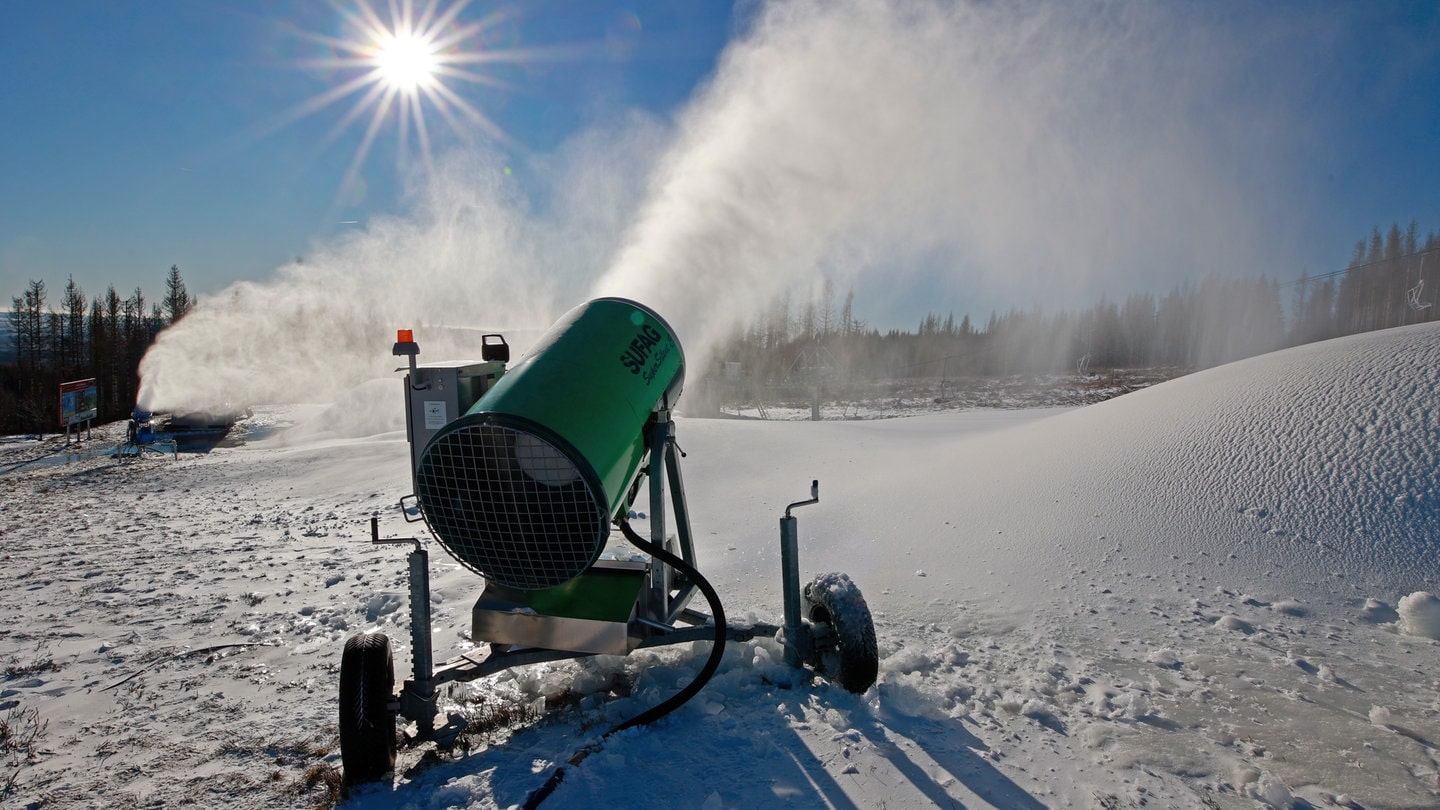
x=367 y=726
x=847 y=655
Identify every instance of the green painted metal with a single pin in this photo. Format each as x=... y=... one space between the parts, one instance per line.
x=599 y=594
x=522 y=486
x=592 y=381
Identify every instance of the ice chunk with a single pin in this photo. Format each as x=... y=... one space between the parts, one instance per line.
x=1420 y=615
x=1379 y=716
x=1164 y=658
x=1234 y=623
x=1271 y=791
x=1377 y=612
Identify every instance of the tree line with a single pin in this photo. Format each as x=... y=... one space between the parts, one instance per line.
x=78 y=338
x=1391 y=280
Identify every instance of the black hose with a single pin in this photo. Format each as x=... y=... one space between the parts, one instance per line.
x=716 y=653
x=675 y=701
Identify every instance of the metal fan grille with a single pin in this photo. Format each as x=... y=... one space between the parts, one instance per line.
x=510 y=506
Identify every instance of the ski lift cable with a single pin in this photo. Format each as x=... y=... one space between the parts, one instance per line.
x=1333 y=273
x=935 y=360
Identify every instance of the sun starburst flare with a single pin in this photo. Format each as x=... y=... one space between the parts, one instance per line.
x=401 y=69
x=406 y=62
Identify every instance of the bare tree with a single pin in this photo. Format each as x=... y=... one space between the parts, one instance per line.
x=27 y=318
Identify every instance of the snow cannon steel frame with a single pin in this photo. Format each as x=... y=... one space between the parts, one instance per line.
x=520 y=475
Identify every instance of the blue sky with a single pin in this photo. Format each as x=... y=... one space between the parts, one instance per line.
x=137 y=135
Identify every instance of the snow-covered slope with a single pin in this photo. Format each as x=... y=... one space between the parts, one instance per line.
x=1183 y=597
x=1311 y=472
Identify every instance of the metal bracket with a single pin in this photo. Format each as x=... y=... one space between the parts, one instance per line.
x=814 y=498
x=798 y=642
x=377 y=540
x=407 y=511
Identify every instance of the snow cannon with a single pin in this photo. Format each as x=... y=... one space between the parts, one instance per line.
x=522 y=474
x=522 y=488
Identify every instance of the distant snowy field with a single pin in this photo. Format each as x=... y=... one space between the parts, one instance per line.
x=1203 y=594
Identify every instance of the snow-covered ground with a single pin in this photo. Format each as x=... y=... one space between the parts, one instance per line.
x=904 y=398
x=1195 y=595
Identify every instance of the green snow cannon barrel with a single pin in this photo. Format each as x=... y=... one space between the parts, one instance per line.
x=522 y=488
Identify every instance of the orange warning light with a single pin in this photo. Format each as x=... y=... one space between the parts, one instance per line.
x=404 y=336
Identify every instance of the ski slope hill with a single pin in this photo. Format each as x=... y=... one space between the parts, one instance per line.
x=1201 y=594
x=1303 y=464
x=1312 y=471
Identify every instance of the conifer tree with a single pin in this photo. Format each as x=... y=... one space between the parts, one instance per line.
x=177 y=298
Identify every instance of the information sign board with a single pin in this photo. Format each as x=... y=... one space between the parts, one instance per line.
x=79 y=402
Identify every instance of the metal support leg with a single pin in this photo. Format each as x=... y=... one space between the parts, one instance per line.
x=659 y=596
x=798 y=642
x=685 y=590
x=677 y=501
x=419 y=701
x=420 y=615
x=790 y=588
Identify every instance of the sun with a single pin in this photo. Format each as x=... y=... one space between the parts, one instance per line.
x=402 y=69
x=406 y=62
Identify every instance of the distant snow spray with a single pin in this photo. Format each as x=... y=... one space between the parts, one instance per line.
x=469 y=252
x=1016 y=150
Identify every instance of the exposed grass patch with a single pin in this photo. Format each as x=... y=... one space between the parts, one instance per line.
x=502 y=717
x=494 y=718
x=20 y=732
x=288 y=752
x=323 y=784
x=295 y=767
x=40 y=662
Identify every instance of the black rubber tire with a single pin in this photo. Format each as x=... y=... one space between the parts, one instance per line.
x=850 y=656
x=367 y=726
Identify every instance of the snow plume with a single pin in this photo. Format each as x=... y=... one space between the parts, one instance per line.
x=1020 y=151
x=1036 y=151
x=470 y=252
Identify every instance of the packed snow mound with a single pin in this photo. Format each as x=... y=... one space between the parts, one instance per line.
x=1322 y=457
x=1300 y=474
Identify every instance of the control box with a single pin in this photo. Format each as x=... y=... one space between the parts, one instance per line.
x=437 y=393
